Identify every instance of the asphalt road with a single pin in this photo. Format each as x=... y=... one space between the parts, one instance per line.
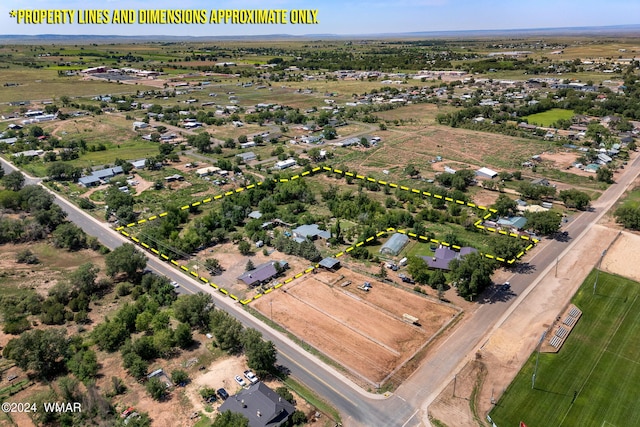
x=359 y=408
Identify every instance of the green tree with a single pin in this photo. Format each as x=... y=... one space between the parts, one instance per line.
x=84 y=364
x=25 y=256
x=628 y=216
x=179 y=376
x=505 y=205
x=575 y=199
x=230 y=419
x=42 y=351
x=227 y=330
x=437 y=279
x=418 y=269
x=244 y=247
x=249 y=266
x=383 y=272
x=544 y=223
x=110 y=335
x=605 y=174
x=125 y=259
x=194 y=309
x=213 y=265
x=472 y=274
x=69 y=236
x=329 y=133
x=156 y=388
x=84 y=278
x=143 y=321
x=183 y=336
x=14 y=181
x=284 y=393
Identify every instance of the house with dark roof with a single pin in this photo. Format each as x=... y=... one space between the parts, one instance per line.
x=262 y=406
x=262 y=273
x=444 y=255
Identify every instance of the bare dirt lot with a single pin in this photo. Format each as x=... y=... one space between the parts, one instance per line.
x=621 y=258
x=363 y=331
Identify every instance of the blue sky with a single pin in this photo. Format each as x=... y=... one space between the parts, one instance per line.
x=345 y=16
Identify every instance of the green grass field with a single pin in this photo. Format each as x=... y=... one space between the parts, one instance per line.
x=600 y=361
x=547 y=118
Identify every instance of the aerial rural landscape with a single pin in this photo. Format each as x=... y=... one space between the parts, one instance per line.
x=386 y=230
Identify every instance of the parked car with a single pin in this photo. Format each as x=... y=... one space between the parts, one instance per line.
x=248 y=374
x=240 y=381
x=406 y=279
x=506 y=286
x=223 y=394
x=175 y=284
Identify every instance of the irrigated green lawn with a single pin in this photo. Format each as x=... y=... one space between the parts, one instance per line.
x=600 y=361
x=547 y=118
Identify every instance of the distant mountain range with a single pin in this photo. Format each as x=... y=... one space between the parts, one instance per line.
x=611 y=30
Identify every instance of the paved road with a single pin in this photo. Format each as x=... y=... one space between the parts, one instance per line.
x=403 y=408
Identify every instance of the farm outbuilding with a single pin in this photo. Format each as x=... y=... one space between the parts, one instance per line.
x=394 y=245
x=331 y=264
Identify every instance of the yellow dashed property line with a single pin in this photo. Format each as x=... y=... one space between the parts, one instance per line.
x=204 y=279
x=184 y=207
x=233 y=297
x=208 y=200
x=360 y=176
x=120 y=228
x=213 y=285
x=224 y=291
x=132 y=224
x=163 y=214
x=194 y=274
x=268 y=291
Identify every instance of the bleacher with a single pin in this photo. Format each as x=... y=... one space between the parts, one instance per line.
x=563 y=330
x=555 y=341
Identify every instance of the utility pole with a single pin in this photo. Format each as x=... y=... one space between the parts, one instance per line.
x=535 y=369
x=595 y=284
x=454 y=385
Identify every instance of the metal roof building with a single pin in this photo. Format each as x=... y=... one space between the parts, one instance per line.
x=394 y=245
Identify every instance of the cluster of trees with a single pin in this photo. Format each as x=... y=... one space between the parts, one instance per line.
x=575 y=199
x=459 y=180
x=306 y=249
x=48 y=353
x=471 y=274
x=628 y=216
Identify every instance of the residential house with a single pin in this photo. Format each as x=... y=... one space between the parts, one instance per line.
x=262 y=273
x=284 y=164
x=262 y=406
x=248 y=156
x=310 y=232
x=444 y=255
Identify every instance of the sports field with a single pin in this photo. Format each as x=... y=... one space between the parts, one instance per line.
x=599 y=365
